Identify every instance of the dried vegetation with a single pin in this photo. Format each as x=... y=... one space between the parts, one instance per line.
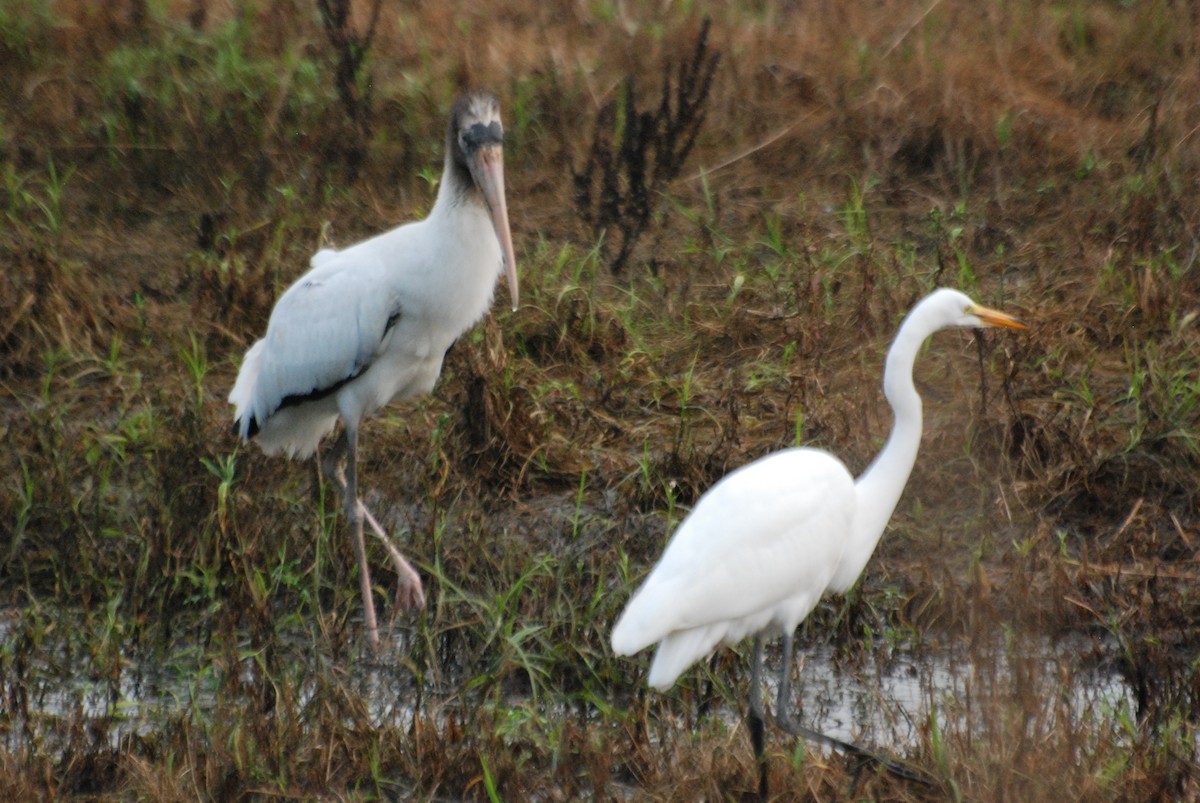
x=167 y=170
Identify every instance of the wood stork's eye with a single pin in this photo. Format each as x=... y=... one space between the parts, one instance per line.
x=478 y=135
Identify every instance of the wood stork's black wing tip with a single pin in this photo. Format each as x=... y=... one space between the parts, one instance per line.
x=247 y=433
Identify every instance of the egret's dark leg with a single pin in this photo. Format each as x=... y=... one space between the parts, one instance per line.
x=755 y=720
x=783 y=718
x=707 y=697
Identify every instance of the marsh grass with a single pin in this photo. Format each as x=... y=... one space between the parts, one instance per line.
x=179 y=613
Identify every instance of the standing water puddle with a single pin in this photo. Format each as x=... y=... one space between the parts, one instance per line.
x=890 y=698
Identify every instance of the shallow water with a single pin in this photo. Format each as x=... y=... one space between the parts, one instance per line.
x=956 y=687
x=889 y=698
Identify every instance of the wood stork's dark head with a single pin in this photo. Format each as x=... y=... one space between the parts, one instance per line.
x=475 y=142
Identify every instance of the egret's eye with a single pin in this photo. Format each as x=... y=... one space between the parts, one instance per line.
x=478 y=135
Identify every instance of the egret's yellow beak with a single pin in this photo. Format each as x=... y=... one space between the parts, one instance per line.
x=993 y=317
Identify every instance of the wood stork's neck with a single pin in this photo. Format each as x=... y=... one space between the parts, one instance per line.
x=457 y=187
x=878 y=489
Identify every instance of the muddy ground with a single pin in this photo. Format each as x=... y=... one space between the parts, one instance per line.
x=719 y=227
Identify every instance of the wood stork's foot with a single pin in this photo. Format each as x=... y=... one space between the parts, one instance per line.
x=410 y=593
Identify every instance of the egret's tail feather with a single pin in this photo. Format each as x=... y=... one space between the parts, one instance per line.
x=627 y=637
x=681 y=649
x=646 y=619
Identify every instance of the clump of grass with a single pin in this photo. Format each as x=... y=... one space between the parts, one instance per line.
x=636 y=154
x=179 y=612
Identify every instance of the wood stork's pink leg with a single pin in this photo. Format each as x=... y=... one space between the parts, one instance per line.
x=354 y=516
x=409 y=591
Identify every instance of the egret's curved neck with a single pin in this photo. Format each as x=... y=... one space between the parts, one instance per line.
x=880 y=486
x=878 y=489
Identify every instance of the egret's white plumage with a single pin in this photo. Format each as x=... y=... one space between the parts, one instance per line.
x=766 y=542
x=372 y=322
x=742 y=561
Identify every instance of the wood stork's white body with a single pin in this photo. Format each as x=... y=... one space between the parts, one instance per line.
x=372 y=323
x=435 y=278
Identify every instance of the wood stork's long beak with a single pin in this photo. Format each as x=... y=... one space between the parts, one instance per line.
x=487 y=168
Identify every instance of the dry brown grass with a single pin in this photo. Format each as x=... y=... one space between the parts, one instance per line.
x=168 y=172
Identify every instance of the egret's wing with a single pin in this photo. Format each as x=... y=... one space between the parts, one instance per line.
x=325 y=330
x=765 y=533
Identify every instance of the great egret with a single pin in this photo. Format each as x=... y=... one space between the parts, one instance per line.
x=372 y=323
x=764 y=544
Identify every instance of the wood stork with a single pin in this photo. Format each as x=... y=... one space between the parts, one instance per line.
x=764 y=544
x=372 y=323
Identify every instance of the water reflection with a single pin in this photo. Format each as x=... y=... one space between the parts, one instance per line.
x=890 y=698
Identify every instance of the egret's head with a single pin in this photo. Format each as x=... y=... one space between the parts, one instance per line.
x=476 y=142
x=952 y=308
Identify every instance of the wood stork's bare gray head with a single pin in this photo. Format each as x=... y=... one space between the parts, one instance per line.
x=476 y=144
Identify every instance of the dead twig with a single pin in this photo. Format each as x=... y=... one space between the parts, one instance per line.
x=636 y=154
